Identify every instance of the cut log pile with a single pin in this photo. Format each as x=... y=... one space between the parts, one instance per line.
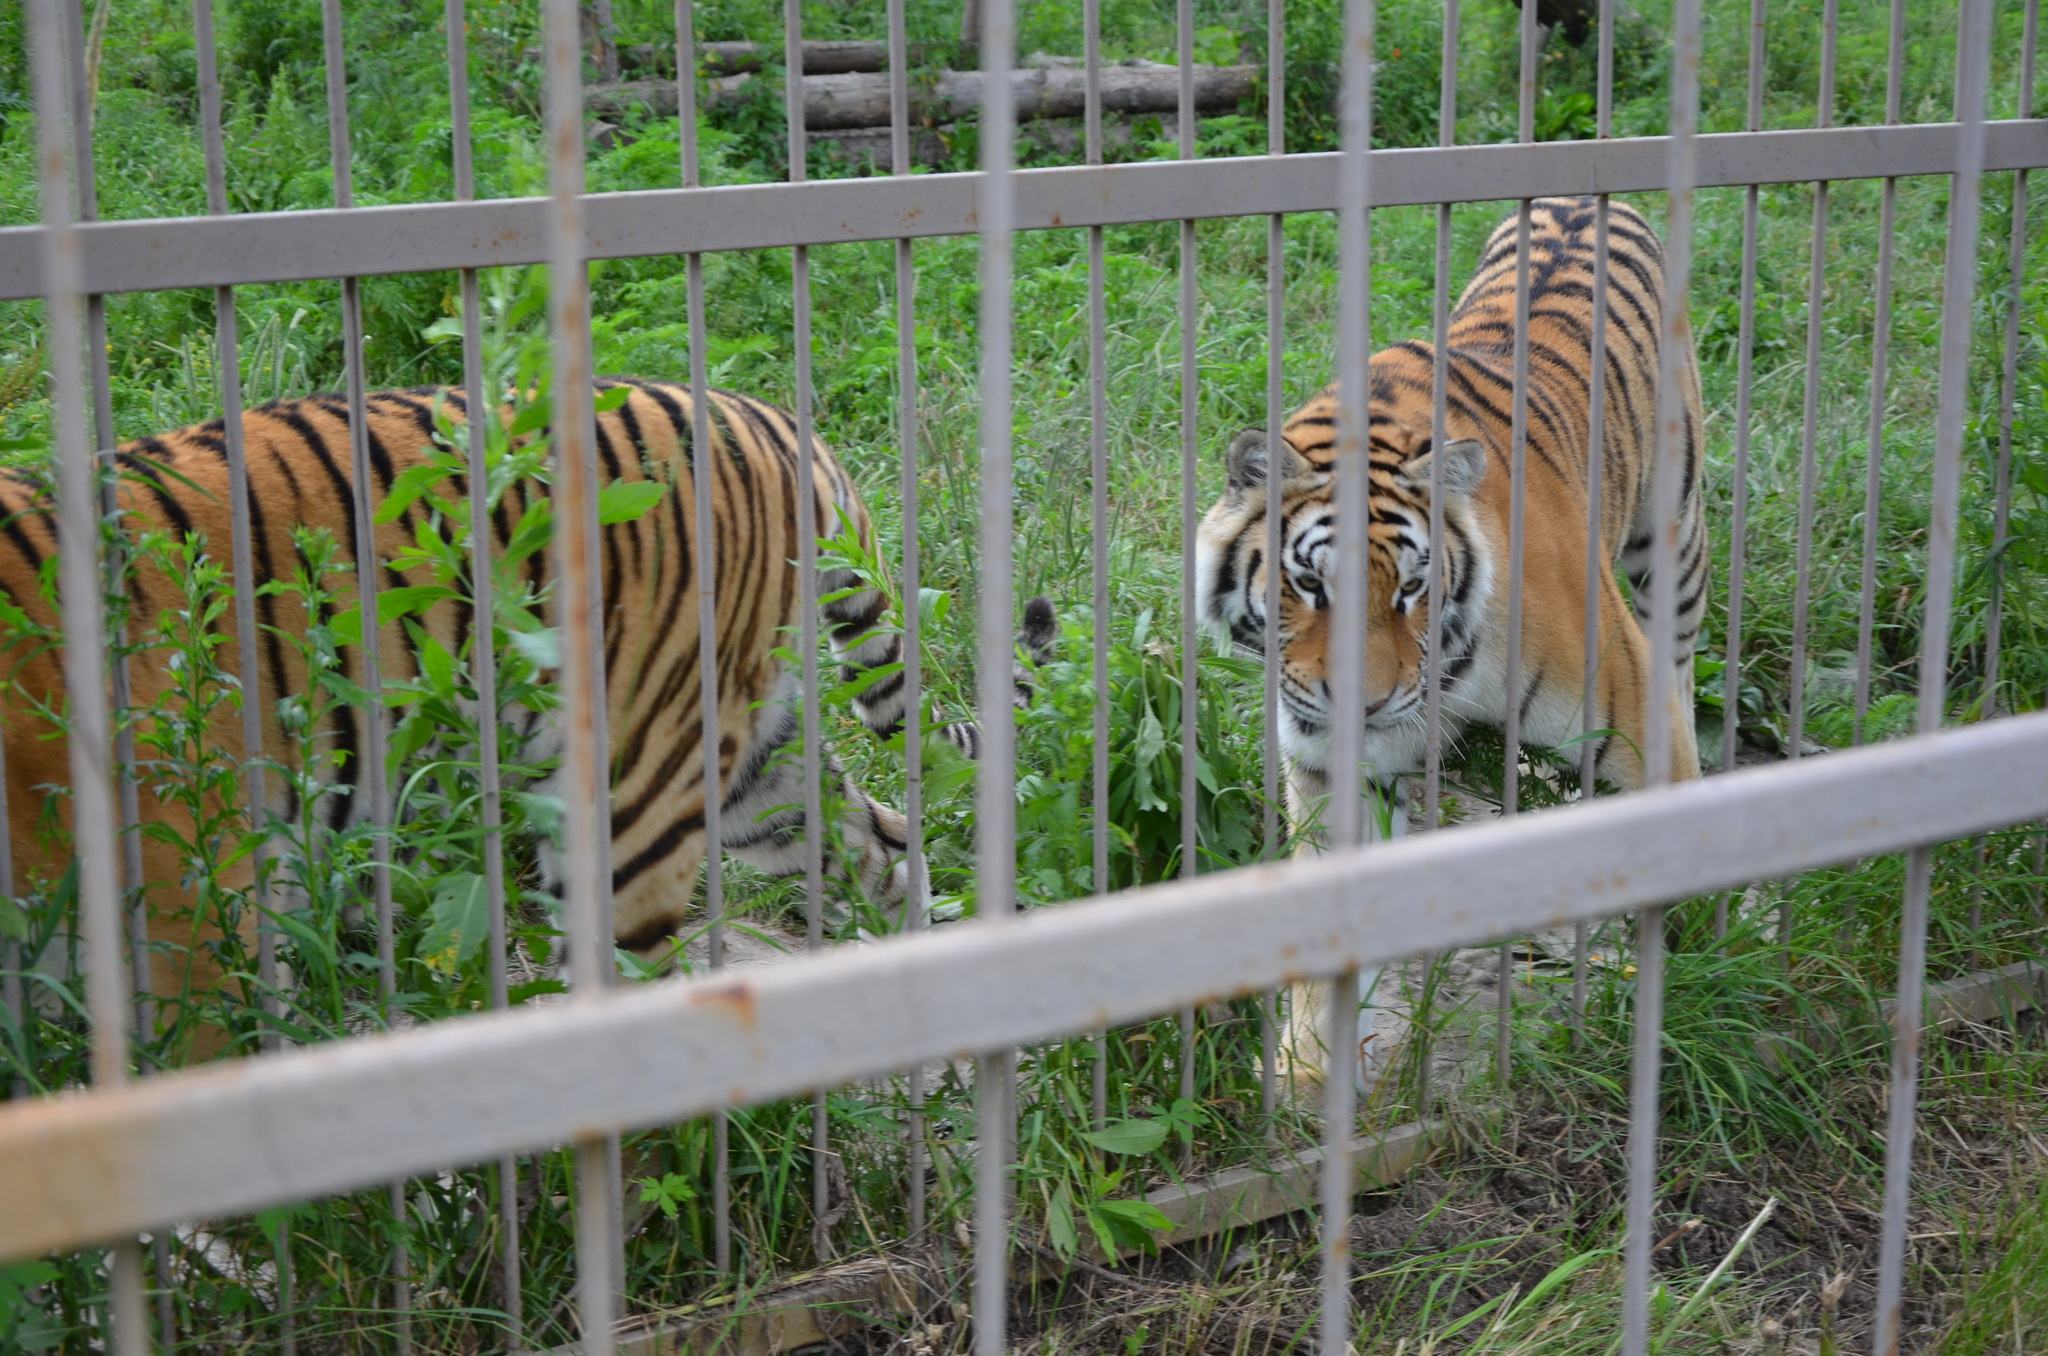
x=844 y=97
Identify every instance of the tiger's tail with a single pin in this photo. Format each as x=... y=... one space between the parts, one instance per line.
x=854 y=616
x=1036 y=642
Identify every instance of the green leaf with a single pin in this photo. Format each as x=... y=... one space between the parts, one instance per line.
x=13 y=920
x=536 y=526
x=533 y=416
x=1129 y=1225
x=542 y=648
x=437 y=666
x=1143 y=1214
x=623 y=501
x=669 y=1193
x=413 y=482
x=391 y=605
x=1138 y=1135
x=612 y=397
x=1059 y=1222
x=403 y=602
x=457 y=923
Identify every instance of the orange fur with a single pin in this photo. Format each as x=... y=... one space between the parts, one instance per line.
x=298 y=459
x=1473 y=567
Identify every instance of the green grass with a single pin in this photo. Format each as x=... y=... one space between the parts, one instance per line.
x=1729 y=1108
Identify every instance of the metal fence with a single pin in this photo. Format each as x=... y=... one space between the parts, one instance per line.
x=101 y=1167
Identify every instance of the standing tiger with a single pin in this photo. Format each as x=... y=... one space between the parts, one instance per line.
x=1475 y=478
x=299 y=475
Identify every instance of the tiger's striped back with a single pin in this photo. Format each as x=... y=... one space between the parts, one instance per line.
x=1476 y=478
x=298 y=455
x=1473 y=471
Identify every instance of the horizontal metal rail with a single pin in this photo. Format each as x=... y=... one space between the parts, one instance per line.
x=287 y=1127
x=153 y=255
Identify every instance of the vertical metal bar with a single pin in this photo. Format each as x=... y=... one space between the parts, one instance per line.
x=1518 y=457
x=1809 y=465
x=249 y=673
x=1745 y=371
x=373 y=774
x=807 y=570
x=1674 y=427
x=373 y=771
x=916 y=906
x=1439 y=437
x=98 y=369
x=1340 y=1105
x=1098 y=502
x=484 y=652
x=1596 y=451
x=12 y=993
x=1276 y=396
x=1439 y=434
x=1349 y=600
x=1873 y=469
x=995 y=794
x=2008 y=384
x=703 y=485
x=1597 y=555
x=1959 y=284
x=248 y=667
x=574 y=434
x=703 y=489
x=1190 y=451
x=84 y=618
x=1345 y=812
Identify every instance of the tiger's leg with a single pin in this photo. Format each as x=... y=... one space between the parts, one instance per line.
x=1693 y=565
x=188 y=958
x=764 y=814
x=1304 y=1034
x=1625 y=690
x=193 y=969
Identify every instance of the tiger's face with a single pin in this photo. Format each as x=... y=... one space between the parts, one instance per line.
x=1231 y=582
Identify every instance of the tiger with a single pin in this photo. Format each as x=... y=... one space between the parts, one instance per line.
x=1475 y=477
x=299 y=474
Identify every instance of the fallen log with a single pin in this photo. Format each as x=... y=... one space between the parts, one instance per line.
x=825 y=57
x=856 y=100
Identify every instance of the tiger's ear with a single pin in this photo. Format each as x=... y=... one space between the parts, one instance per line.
x=1247 y=460
x=1464 y=468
